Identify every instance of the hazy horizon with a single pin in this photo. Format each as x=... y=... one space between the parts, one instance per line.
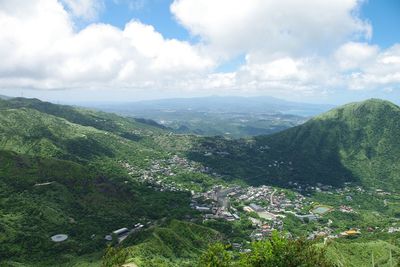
x=108 y=50
x=70 y=97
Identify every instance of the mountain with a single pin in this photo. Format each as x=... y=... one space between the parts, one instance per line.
x=61 y=173
x=357 y=142
x=225 y=116
x=85 y=173
x=5 y=97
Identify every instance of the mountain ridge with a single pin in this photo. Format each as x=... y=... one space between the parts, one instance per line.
x=333 y=148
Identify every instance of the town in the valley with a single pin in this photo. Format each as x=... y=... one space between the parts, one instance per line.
x=266 y=207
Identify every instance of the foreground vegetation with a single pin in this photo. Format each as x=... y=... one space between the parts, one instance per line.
x=277 y=251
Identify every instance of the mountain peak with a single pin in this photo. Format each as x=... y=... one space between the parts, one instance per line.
x=375 y=102
x=371 y=107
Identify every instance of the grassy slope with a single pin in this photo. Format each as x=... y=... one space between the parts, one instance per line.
x=176 y=244
x=96 y=119
x=356 y=254
x=28 y=131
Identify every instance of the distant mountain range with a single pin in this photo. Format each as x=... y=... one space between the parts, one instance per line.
x=221 y=104
x=224 y=116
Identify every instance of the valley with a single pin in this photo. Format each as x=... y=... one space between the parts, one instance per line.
x=187 y=133
x=85 y=174
x=231 y=117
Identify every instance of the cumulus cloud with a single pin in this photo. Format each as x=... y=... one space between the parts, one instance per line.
x=383 y=72
x=291 y=47
x=309 y=47
x=40 y=48
x=268 y=27
x=354 y=55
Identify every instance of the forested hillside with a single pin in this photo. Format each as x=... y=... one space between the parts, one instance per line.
x=83 y=173
x=60 y=172
x=354 y=143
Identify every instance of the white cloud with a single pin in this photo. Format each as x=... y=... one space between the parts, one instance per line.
x=86 y=9
x=354 y=55
x=267 y=27
x=29 y=30
x=291 y=48
x=280 y=69
x=39 y=48
x=383 y=72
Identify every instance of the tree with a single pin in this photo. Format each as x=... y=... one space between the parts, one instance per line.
x=282 y=252
x=114 y=257
x=216 y=256
x=276 y=251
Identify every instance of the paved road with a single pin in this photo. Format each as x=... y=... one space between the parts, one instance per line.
x=271 y=202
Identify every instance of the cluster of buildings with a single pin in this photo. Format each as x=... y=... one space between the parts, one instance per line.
x=326 y=233
x=269 y=204
x=159 y=175
x=306 y=188
x=122 y=233
x=215 y=203
x=346 y=209
x=266 y=202
x=277 y=202
x=156 y=175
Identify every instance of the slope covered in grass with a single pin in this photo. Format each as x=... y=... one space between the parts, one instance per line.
x=356 y=254
x=176 y=244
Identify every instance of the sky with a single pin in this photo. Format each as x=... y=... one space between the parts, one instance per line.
x=319 y=51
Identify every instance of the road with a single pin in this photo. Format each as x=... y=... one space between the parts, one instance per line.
x=271 y=201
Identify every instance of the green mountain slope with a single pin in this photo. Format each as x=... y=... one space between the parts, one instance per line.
x=176 y=244
x=356 y=254
x=31 y=132
x=41 y=197
x=60 y=176
x=357 y=142
x=131 y=129
x=61 y=172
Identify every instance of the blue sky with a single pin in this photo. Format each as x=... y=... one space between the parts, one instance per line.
x=383 y=15
x=152 y=12
x=119 y=50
